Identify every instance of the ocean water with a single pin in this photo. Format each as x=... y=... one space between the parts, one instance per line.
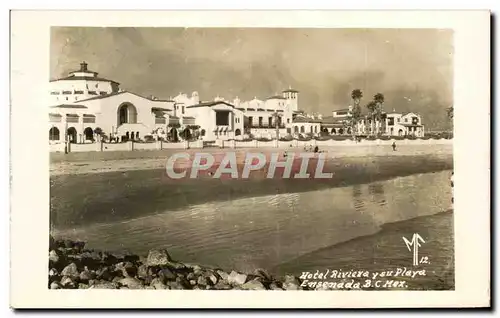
x=266 y=231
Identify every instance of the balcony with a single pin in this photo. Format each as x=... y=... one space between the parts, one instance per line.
x=89 y=119
x=55 y=118
x=264 y=126
x=160 y=120
x=70 y=118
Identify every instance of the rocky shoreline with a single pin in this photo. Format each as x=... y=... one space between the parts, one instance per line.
x=71 y=266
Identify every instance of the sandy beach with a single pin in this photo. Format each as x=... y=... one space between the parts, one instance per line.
x=98 y=162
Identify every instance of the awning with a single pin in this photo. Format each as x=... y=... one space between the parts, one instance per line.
x=72 y=115
x=89 y=115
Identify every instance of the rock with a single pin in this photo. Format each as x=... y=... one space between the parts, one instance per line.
x=85 y=276
x=55 y=285
x=142 y=271
x=192 y=282
x=131 y=258
x=190 y=276
x=166 y=274
x=53 y=257
x=156 y=283
x=253 y=285
x=71 y=271
x=52 y=243
x=104 y=285
x=274 y=286
x=127 y=268
x=222 y=286
x=224 y=276
x=78 y=246
x=291 y=283
x=196 y=269
x=175 y=285
x=104 y=273
x=83 y=286
x=53 y=272
x=236 y=278
x=202 y=281
x=158 y=257
x=108 y=259
x=117 y=279
x=184 y=283
x=68 y=244
x=259 y=272
x=131 y=282
x=213 y=278
x=149 y=287
x=67 y=282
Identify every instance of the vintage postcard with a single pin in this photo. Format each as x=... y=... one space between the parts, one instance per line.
x=250 y=159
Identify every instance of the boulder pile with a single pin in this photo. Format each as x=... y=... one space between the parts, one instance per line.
x=71 y=266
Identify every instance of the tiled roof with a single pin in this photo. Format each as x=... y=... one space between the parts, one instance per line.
x=161 y=109
x=85 y=78
x=69 y=106
x=106 y=96
x=276 y=97
x=306 y=120
x=210 y=104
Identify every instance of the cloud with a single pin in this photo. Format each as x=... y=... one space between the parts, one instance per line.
x=325 y=65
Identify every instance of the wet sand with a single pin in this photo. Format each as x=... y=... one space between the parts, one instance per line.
x=386 y=250
x=98 y=162
x=116 y=196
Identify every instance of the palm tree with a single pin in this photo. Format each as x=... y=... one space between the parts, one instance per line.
x=356 y=96
x=379 y=101
x=372 y=108
x=277 y=117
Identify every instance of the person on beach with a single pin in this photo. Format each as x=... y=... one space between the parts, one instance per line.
x=394 y=146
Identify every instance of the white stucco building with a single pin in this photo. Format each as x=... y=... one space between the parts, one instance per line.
x=84 y=105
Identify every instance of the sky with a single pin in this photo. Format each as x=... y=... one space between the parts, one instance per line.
x=413 y=68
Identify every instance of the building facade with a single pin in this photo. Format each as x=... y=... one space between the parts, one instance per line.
x=85 y=107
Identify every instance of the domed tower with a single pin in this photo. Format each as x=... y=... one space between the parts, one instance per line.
x=195 y=98
x=292 y=97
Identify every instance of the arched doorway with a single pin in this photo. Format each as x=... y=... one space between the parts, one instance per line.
x=296 y=129
x=302 y=129
x=89 y=133
x=127 y=136
x=132 y=135
x=203 y=132
x=187 y=134
x=237 y=132
x=348 y=131
x=137 y=135
x=341 y=131
x=54 y=133
x=334 y=131
x=174 y=135
x=72 y=134
x=126 y=114
x=400 y=133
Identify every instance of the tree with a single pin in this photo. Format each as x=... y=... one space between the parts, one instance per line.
x=372 y=108
x=356 y=96
x=379 y=101
x=277 y=117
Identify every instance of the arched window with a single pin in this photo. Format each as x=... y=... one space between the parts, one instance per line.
x=237 y=132
x=54 y=133
x=89 y=133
